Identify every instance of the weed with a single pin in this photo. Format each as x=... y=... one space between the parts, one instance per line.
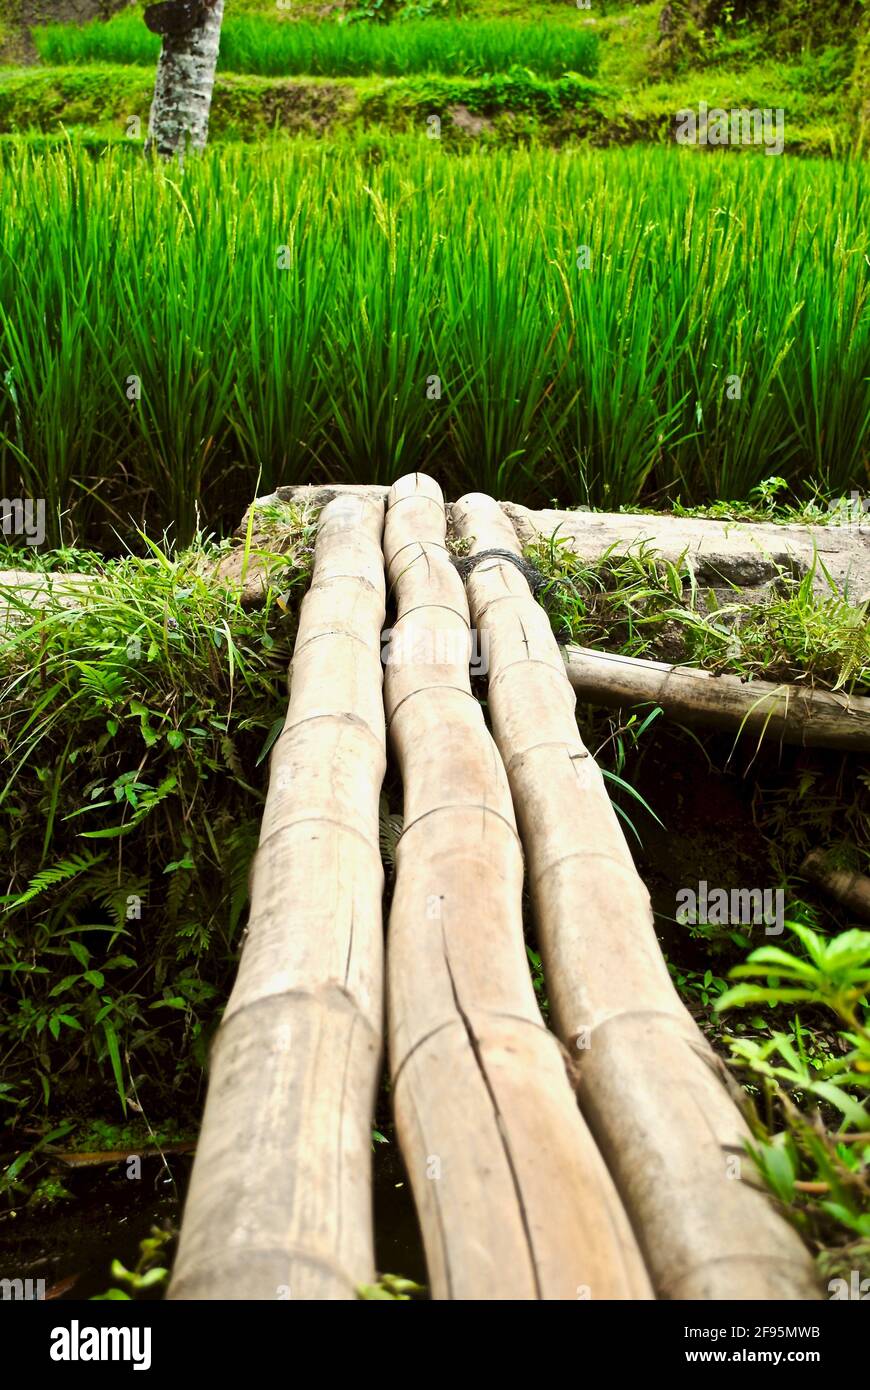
x=132 y=728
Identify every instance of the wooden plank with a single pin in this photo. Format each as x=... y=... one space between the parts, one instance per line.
x=280 y=1197
x=786 y=713
x=513 y=1198
x=650 y=1086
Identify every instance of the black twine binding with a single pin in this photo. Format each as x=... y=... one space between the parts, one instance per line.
x=533 y=577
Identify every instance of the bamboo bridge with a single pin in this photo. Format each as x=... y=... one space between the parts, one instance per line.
x=603 y=1157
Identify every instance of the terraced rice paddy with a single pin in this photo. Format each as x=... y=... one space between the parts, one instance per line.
x=605 y=327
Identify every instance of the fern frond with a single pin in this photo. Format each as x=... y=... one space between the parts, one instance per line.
x=62 y=872
x=116 y=899
x=241 y=845
x=389 y=831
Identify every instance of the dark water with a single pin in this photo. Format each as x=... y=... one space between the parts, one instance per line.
x=109 y=1214
x=708 y=829
x=72 y=1244
x=398 y=1245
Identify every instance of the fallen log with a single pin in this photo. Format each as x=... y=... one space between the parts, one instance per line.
x=280 y=1196
x=845 y=886
x=107 y=1157
x=650 y=1086
x=748 y=555
x=513 y=1199
x=786 y=713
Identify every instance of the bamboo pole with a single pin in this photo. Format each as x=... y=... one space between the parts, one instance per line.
x=785 y=713
x=845 y=886
x=650 y=1086
x=280 y=1198
x=513 y=1198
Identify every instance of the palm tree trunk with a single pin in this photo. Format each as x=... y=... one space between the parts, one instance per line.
x=184 y=84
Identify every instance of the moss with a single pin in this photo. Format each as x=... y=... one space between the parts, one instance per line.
x=55 y=98
x=798 y=24
x=12 y=46
x=698 y=34
x=244 y=108
x=105 y=98
x=510 y=108
x=404 y=100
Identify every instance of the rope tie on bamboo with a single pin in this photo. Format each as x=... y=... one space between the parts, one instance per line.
x=533 y=577
x=536 y=581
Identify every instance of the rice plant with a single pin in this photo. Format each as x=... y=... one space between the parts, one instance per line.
x=602 y=327
x=270 y=47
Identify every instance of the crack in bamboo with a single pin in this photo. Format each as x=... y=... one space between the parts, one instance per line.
x=648 y=1081
x=524 y=1206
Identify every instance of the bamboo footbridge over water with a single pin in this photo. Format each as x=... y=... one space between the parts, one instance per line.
x=604 y=1159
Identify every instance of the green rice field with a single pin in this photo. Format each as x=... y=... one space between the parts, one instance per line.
x=252 y=43
x=604 y=328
